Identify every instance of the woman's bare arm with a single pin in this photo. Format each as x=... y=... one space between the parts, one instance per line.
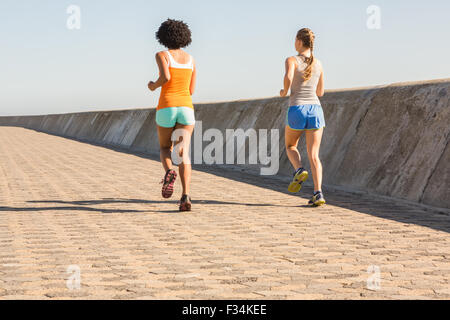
x=164 y=73
x=320 y=91
x=288 y=76
x=193 y=80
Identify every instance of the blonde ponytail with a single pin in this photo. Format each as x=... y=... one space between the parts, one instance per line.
x=307 y=37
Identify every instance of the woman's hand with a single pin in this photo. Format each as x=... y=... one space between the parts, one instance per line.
x=283 y=93
x=152 y=86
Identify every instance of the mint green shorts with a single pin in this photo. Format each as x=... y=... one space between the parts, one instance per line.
x=169 y=117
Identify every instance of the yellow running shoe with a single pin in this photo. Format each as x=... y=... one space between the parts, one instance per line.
x=317 y=199
x=300 y=176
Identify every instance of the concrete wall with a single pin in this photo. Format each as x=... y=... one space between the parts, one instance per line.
x=389 y=140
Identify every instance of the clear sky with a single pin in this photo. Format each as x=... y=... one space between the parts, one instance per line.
x=239 y=45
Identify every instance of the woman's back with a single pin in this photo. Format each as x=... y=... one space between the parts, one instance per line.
x=176 y=92
x=304 y=92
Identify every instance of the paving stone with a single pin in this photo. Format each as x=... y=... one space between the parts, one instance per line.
x=65 y=203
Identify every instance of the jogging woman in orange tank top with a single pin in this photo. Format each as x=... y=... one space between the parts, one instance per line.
x=177 y=77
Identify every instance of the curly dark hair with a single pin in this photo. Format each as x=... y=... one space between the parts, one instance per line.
x=174 y=34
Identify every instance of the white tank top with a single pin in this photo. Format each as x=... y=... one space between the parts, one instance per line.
x=176 y=65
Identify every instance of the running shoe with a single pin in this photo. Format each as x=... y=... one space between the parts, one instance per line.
x=185 y=203
x=300 y=176
x=168 y=181
x=317 y=199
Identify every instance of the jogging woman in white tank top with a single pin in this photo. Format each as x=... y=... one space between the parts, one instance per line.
x=304 y=77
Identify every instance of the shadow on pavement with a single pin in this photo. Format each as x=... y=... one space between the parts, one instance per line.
x=140 y=201
x=381 y=207
x=67 y=208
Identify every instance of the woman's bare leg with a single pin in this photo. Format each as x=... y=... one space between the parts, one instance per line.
x=185 y=167
x=291 y=138
x=166 y=146
x=313 y=140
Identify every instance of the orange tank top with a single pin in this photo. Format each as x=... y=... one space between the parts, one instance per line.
x=176 y=92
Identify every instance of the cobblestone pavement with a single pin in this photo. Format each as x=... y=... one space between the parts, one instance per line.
x=66 y=205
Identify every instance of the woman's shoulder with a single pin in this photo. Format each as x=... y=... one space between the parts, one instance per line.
x=317 y=60
x=291 y=60
x=161 y=54
x=189 y=55
x=318 y=63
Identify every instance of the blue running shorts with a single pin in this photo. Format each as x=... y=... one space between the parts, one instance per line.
x=305 y=117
